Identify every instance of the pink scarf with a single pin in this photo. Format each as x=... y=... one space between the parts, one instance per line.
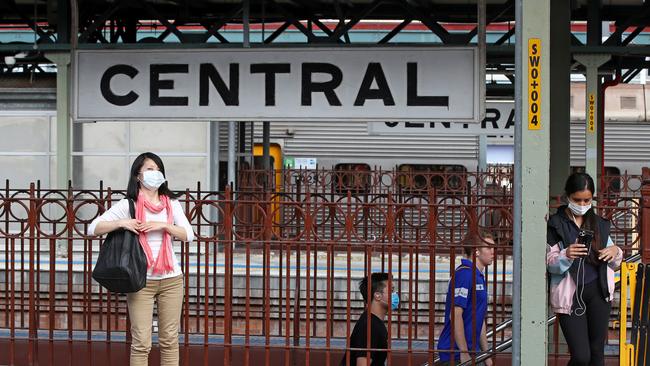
x=165 y=261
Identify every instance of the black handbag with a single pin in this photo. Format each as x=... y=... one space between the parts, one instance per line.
x=122 y=265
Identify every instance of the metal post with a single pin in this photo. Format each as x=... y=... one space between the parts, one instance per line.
x=266 y=145
x=231 y=154
x=214 y=155
x=482 y=41
x=592 y=62
x=246 y=44
x=482 y=153
x=241 y=139
x=215 y=140
x=252 y=151
x=214 y=165
x=532 y=132
x=63 y=153
x=482 y=24
x=560 y=80
x=246 y=22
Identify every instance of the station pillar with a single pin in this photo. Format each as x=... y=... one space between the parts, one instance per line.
x=63 y=123
x=532 y=155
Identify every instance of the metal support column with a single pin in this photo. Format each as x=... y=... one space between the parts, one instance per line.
x=241 y=139
x=532 y=133
x=231 y=154
x=592 y=62
x=214 y=155
x=266 y=145
x=246 y=10
x=63 y=124
x=482 y=34
x=215 y=142
x=560 y=79
x=482 y=55
x=482 y=153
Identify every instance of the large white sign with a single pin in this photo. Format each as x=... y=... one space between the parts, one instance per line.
x=499 y=121
x=303 y=84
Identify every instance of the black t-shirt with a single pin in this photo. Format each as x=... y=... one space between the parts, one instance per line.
x=378 y=340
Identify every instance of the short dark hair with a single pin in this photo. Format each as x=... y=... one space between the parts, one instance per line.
x=133 y=186
x=378 y=282
x=475 y=240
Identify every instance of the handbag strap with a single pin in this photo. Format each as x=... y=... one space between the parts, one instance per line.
x=131 y=208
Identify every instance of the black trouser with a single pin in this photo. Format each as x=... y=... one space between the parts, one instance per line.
x=586 y=335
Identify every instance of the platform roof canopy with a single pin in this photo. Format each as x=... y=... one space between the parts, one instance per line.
x=37 y=27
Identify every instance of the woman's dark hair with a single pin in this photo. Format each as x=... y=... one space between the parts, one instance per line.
x=133 y=187
x=578 y=182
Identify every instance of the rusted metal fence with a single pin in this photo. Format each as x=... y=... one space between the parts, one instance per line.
x=271 y=278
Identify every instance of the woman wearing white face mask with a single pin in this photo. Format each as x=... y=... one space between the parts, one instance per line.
x=582 y=275
x=159 y=217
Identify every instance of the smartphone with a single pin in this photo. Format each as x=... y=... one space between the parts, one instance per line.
x=585 y=237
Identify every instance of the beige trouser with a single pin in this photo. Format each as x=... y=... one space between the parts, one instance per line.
x=169 y=293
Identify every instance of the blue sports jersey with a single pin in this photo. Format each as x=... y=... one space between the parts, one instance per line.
x=463 y=298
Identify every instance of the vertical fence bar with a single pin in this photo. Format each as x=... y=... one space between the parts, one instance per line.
x=51 y=298
x=199 y=206
x=228 y=242
x=431 y=225
x=409 y=333
x=247 y=300
x=37 y=258
x=308 y=229
x=33 y=217
x=107 y=344
x=390 y=239
x=70 y=277
x=645 y=215
x=328 y=297
x=88 y=306
x=296 y=307
x=287 y=326
x=348 y=244
x=267 y=235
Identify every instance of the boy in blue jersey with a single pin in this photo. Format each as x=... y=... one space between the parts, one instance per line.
x=469 y=337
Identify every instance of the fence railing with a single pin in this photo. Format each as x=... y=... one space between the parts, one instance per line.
x=497 y=181
x=270 y=279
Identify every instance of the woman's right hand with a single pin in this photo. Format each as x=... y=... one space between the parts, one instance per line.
x=576 y=251
x=130 y=224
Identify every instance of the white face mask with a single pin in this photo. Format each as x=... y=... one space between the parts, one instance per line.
x=577 y=209
x=152 y=179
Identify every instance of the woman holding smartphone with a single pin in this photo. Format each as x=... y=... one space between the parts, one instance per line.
x=581 y=259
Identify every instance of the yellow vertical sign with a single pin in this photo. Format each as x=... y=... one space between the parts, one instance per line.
x=534 y=84
x=592 y=110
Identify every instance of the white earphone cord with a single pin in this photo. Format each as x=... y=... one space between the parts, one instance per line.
x=581 y=309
